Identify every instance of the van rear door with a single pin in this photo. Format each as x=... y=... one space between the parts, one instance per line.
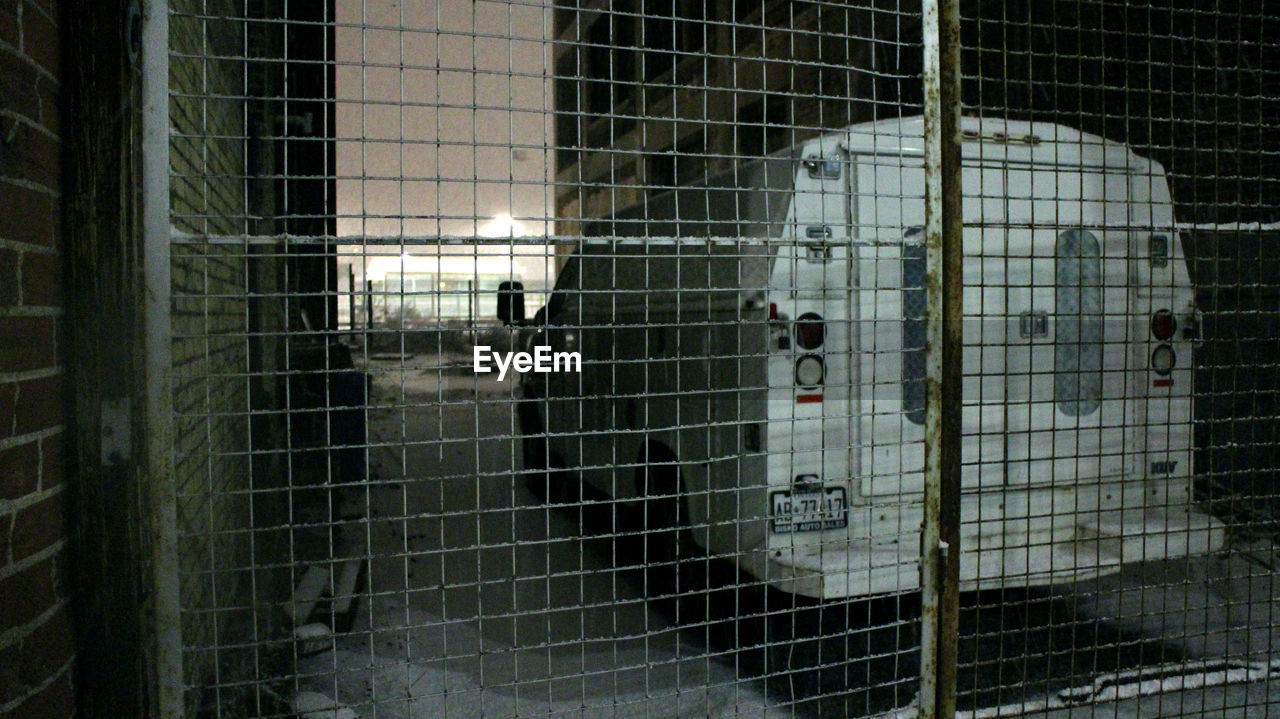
x=1069 y=354
x=891 y=307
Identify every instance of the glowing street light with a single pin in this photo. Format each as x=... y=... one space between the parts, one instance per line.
x=501 y=226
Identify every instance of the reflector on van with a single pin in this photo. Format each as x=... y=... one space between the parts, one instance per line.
x=822 y=168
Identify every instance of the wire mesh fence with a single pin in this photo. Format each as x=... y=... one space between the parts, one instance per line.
x=574 y=359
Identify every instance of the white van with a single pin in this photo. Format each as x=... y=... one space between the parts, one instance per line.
x=753 y=363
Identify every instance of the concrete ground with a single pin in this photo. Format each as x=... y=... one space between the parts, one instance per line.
x=482 y=602
x=485 y=603
x=1217 y=619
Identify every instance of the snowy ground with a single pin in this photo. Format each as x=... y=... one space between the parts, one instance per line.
x=484 y=603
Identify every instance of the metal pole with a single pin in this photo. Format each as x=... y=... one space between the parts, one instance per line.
x=368 y=300
x=351 y=298
x=167 y=670
x=940 y=535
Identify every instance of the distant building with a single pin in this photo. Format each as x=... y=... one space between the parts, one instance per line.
x=655 y=93
x=425 y=290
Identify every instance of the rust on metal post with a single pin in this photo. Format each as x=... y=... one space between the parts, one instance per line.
x=166 y=602
x=940 y=535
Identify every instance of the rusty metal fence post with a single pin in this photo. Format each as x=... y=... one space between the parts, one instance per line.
x=166 y=644
x=940 y=536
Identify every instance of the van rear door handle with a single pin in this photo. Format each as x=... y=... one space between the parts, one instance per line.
x=1033 y=324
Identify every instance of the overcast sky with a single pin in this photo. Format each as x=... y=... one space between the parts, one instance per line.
x=443 y=117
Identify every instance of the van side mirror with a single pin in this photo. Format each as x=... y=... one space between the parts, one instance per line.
x=511 y=302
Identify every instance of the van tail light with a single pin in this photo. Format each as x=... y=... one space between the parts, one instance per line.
x=1163 y=359
x=1163 y=325
x=809 y=371
x=810 y=331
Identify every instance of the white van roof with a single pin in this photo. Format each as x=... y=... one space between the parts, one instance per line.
x=1230 y=226
x=999 y=140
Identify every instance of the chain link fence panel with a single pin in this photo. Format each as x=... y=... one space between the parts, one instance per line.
x=572 y=359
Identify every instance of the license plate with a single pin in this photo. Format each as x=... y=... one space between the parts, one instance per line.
x=809 y=510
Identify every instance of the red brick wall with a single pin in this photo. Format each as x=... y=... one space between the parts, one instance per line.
x=37 y=649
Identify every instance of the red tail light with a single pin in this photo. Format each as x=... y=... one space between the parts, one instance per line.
x=1163 y=325
x=810 y=332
